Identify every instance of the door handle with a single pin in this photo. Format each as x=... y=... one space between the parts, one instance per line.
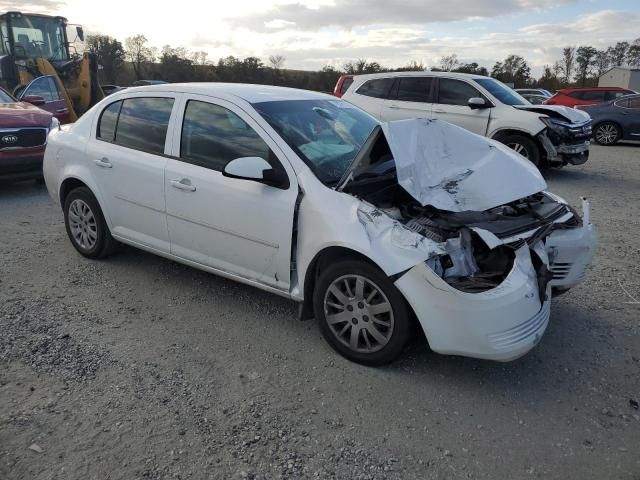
x=62 y=110
x=184 y=184
x=439 y=111
x=103 y=162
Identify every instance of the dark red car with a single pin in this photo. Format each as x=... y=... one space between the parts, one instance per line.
x=23 y=136
x=570 y=97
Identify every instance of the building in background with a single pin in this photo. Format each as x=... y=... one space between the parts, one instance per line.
x=623 y=77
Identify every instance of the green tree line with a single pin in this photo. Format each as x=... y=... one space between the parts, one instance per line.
x=123 y=63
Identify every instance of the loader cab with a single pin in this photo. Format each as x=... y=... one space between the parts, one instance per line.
x=29 y=36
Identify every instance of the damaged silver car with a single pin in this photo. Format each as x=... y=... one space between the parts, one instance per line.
x=370 y=226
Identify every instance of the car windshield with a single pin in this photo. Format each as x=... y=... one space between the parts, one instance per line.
x=501 y=91
x=326 y=134
x=5 y=97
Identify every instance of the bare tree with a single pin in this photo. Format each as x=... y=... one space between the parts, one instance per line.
x=618 y=53
x=568 y=62
x=633 y=53
x=138 y=52
x=449 y=62
x=199 y=58
x=277 y=61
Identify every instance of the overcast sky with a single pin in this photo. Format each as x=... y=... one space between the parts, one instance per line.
x=314 y=33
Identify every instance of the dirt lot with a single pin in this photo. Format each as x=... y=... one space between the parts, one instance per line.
x=137 y=367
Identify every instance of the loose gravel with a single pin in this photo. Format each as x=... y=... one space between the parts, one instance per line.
x=136 y=367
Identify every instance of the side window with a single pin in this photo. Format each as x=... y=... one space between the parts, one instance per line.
x=55 y=91
x=41 y=86
x=594 y=96
x=456 y=92
x=634 y=103
x=143 y=123
x=107 y=123
x=576 y=95
x=414 y=89
x=212 y=136
x=614 y=95
x=378 y=88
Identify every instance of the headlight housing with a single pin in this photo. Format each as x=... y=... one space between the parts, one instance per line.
x=55 y=123
x=564 y=128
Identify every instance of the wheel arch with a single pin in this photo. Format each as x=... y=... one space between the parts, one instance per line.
x=69 y=184
x=504 y=132
x=320 y=260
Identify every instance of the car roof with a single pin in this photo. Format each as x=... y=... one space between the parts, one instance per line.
x=588 y=89
x=248 y=92
x=468 y=76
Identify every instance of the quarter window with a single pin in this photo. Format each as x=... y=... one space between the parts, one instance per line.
x=414 y=89
x=378 y=88
x=212 y=136
x=107 y=123
x=143 y=123
x=634 y=103
x=456 y=92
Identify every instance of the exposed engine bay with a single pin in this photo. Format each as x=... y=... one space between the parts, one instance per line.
x=478 y=246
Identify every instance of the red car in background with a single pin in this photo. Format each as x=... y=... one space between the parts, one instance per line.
x=23 y=137
x=344 y=82
x=570 y=97
x=48 y=96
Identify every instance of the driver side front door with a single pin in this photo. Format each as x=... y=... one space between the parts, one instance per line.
x=238 y=227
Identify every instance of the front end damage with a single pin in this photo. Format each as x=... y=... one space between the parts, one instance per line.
x=488 y=271
x=567 y=135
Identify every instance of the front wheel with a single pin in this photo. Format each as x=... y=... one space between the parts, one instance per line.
x=524 y=146
x=361 y=314
x=607 y=133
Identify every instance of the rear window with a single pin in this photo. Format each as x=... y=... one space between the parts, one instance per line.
x=414 y=89
x=634 y=103
x=378 y=88
x=143 y=123
x=345 y=85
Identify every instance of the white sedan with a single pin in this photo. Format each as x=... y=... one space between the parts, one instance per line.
x=369 y=226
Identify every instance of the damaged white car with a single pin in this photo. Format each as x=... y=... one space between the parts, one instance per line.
x=370 y=226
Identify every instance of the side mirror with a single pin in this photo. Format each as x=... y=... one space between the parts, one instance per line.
x=80 y=33
x=477 y=102
x=36 y=100
x=256 y=169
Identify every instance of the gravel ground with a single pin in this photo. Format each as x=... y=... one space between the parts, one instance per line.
x=138 y=367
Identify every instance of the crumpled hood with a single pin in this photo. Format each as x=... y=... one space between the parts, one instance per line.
x=557 y=111
x=450 y=168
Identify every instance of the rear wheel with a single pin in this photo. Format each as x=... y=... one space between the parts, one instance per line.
x=524 y=146
x=607 y=133
x=361 y=314
x=85 y=224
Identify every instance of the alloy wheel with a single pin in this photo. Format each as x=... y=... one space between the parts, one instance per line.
x=83 y=225
x=606 y=134
x=358 y=313
x=519 y=148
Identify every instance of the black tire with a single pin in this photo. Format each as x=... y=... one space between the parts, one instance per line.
x=523 y=145
x=607 y=133
x=397 y=318
x=104 y=244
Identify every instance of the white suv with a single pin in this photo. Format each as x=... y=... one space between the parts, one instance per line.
x=544 y=134
x=306 y=196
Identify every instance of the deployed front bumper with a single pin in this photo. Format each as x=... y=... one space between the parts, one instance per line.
x=500 y=324
x=505 y=322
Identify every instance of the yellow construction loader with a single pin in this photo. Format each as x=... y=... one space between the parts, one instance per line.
x=39 y=64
